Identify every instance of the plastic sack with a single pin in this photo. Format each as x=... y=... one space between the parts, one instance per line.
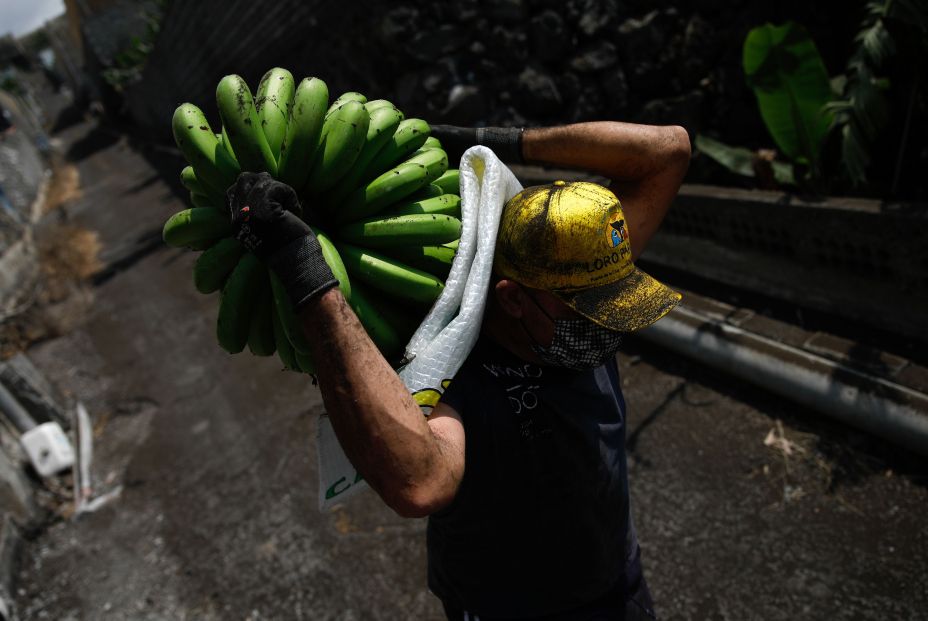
x=448 y=333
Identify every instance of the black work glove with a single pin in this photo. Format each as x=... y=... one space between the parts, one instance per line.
x=264 y=219
x=505 y=142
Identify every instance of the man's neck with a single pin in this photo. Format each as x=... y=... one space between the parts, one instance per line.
x=508 y=333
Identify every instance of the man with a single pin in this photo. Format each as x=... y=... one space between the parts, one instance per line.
x=521 y=466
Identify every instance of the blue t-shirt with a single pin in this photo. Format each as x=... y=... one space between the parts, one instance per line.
x=540 y=523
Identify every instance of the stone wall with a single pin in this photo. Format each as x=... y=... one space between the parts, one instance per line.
x=498 y=62
x=22 y=178
x=490 y=61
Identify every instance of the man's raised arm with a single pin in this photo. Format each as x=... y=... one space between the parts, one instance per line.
x=646 y=164
x=414 y=464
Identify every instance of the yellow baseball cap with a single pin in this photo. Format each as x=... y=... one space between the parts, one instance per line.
x=571 y=239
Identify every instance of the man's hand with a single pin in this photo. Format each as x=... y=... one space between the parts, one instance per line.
x=264 y=219
x=505 y=142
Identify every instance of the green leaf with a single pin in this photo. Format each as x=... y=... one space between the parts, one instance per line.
x=740 y=160
x=788 y=77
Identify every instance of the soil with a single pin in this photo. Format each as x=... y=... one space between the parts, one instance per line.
x=747 y=507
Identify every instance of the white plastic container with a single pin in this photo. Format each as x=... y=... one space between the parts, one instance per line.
x=48 y=448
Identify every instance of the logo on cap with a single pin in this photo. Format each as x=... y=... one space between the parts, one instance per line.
x=616 y=232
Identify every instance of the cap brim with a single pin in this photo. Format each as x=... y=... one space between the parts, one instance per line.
x=626 y=305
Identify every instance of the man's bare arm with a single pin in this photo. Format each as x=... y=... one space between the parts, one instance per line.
x=646 y=164
x=415 y=464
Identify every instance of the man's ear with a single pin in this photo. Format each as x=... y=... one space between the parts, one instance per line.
x=509 y=294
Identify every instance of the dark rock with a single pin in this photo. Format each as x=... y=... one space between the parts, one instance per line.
x=538 y=92
x=569 y=84
x=491 y=71
x=407 y=90
x=596 y=16
x=649 y=53
x=647 y=36
x=715 y=6
x=398 y=25
x=434 y=81
x=641 y=33
x=549 y=36
x=615 y=88
x=432 y=43
x=685 y=110
x=699 y=49
x=507 y=45
x=462 y=10
x=600 y=56
x=589 y=104
x=467 y=105
x=505 y=11
x=507 y=116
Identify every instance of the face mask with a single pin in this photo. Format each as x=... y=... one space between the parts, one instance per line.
x=578 y=344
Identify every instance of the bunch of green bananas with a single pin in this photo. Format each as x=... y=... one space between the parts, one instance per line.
x=386 y=209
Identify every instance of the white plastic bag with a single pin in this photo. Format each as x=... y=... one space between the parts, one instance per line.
x=449 y=331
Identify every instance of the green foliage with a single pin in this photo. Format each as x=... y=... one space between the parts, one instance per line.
x=786 y=72
x=129 y=63
x=742 y=161
x=862 y=112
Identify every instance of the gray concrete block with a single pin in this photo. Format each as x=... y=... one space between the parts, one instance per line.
x=19 y=271
x=34 y=392
x=16 y=499
x=10 y=542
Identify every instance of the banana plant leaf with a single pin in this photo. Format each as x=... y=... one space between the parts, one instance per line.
x=740 y=160
x=786 y=72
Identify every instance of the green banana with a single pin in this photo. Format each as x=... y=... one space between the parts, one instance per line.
x=409 y=136
x=188 y=179
x=330 y=254
x=195 y=225
x=431 y=143
x=306 y=118
x=389 y=275
x=448 y=204
x=376 y=104
x=383 y=124
x=207 y=196
x=214 y=266
x=281 y=343
x=201 y=200
x=429 y=191
x=261 y=327
x=224 y=141
x=432 y=259
x=242 y=126
x=393 y=185
x=450 y=181
x=288 y=318
x=419 y=229
x=343 y=136
x=203 y=244
x=273 y=100
x=305 y=362
x=345 y=98
x=386 y=335
x=237 y=303
x=435 y=160
x=194 y=137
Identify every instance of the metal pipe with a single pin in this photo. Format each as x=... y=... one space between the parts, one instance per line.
x=871 y=403
x=15 y=412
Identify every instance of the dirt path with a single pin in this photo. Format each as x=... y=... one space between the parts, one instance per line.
x=217 y=517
